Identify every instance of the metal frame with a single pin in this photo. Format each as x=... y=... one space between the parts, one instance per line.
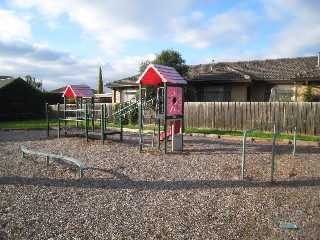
x=165 y=118
x=274 y=147
x=244 y=143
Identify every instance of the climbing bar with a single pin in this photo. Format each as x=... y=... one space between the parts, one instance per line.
x=244 y=143
x=274 y=146
x=81 y=166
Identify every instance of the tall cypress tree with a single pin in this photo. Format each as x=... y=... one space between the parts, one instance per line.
x=100 y=82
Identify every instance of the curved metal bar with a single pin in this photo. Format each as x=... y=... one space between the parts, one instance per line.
x=81 y=165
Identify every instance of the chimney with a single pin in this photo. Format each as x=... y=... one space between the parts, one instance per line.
x=213 y=63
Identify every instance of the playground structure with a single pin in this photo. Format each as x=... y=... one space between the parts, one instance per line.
x=79 y=107
x=166 y=107
x=275 y=134
x=81 y=166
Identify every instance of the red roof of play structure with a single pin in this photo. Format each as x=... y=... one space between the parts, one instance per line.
x=156 y=74
x=73 y=91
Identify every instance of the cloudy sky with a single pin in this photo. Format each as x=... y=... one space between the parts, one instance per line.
x=65 y=42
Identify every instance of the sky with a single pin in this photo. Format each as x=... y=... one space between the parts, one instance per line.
x=62 y=42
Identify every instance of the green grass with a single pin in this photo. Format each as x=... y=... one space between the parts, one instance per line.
x=258 y=134
x=23 y=124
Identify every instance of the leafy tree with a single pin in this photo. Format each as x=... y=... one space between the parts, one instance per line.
x=32 y=81
x=173 y=59
x=100 y=82
x=310 y=96
x=169 y=58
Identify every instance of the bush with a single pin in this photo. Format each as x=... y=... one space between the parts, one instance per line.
x=130 y=114
x=52 y=98
x=20 y=97
x=310 y=96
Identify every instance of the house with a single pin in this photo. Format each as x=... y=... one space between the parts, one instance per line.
x=99 y=98
x=124 y=90
x=283 y=79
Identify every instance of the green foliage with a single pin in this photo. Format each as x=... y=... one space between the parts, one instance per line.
x=310 y=96
x=32 y=81
x=130 y=115
x=100 y=82
x=169 y=58
x=133 y=115
x=52 y=98
x=20 y=97
x=173 y=59
x=116 y=118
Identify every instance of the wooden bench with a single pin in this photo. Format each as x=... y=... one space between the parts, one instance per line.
x=81 y=165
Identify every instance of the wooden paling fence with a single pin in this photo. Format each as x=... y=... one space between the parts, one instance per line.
x=246 y=115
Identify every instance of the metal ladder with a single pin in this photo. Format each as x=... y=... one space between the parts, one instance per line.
x=149 y=138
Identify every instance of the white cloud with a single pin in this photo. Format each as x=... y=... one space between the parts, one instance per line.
x=113 y=23
x=59 y=68
x=130 y=64
x=301 y=32
x=13 y=26
x=233 y=27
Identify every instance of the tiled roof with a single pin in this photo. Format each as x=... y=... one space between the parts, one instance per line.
x=258 y=70
x=129 y=81
x=59 y=90
x=282 y=69
x=211 y=72
x=83 y=91
x=5 y=81
x=156 y=74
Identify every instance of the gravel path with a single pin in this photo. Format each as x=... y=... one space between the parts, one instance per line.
x=196 y=194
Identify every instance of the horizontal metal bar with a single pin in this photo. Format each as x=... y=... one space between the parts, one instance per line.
x=257 y=128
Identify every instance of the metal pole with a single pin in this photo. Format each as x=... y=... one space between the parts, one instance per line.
x=92 y=113
x=65 y=108
x=140 y=118
x=294 y=140
x=102 y=124
x=165 y=118
x=182 y=119
x=58 y=117
x=58 y=127
x=273 y=155
x=47 y=118
x=120 y=119
x=86 y=121
x=243 y=153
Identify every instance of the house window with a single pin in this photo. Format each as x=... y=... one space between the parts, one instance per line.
x=127 y=95
x=282 y=93
x=217 y=94
x=284 y=96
